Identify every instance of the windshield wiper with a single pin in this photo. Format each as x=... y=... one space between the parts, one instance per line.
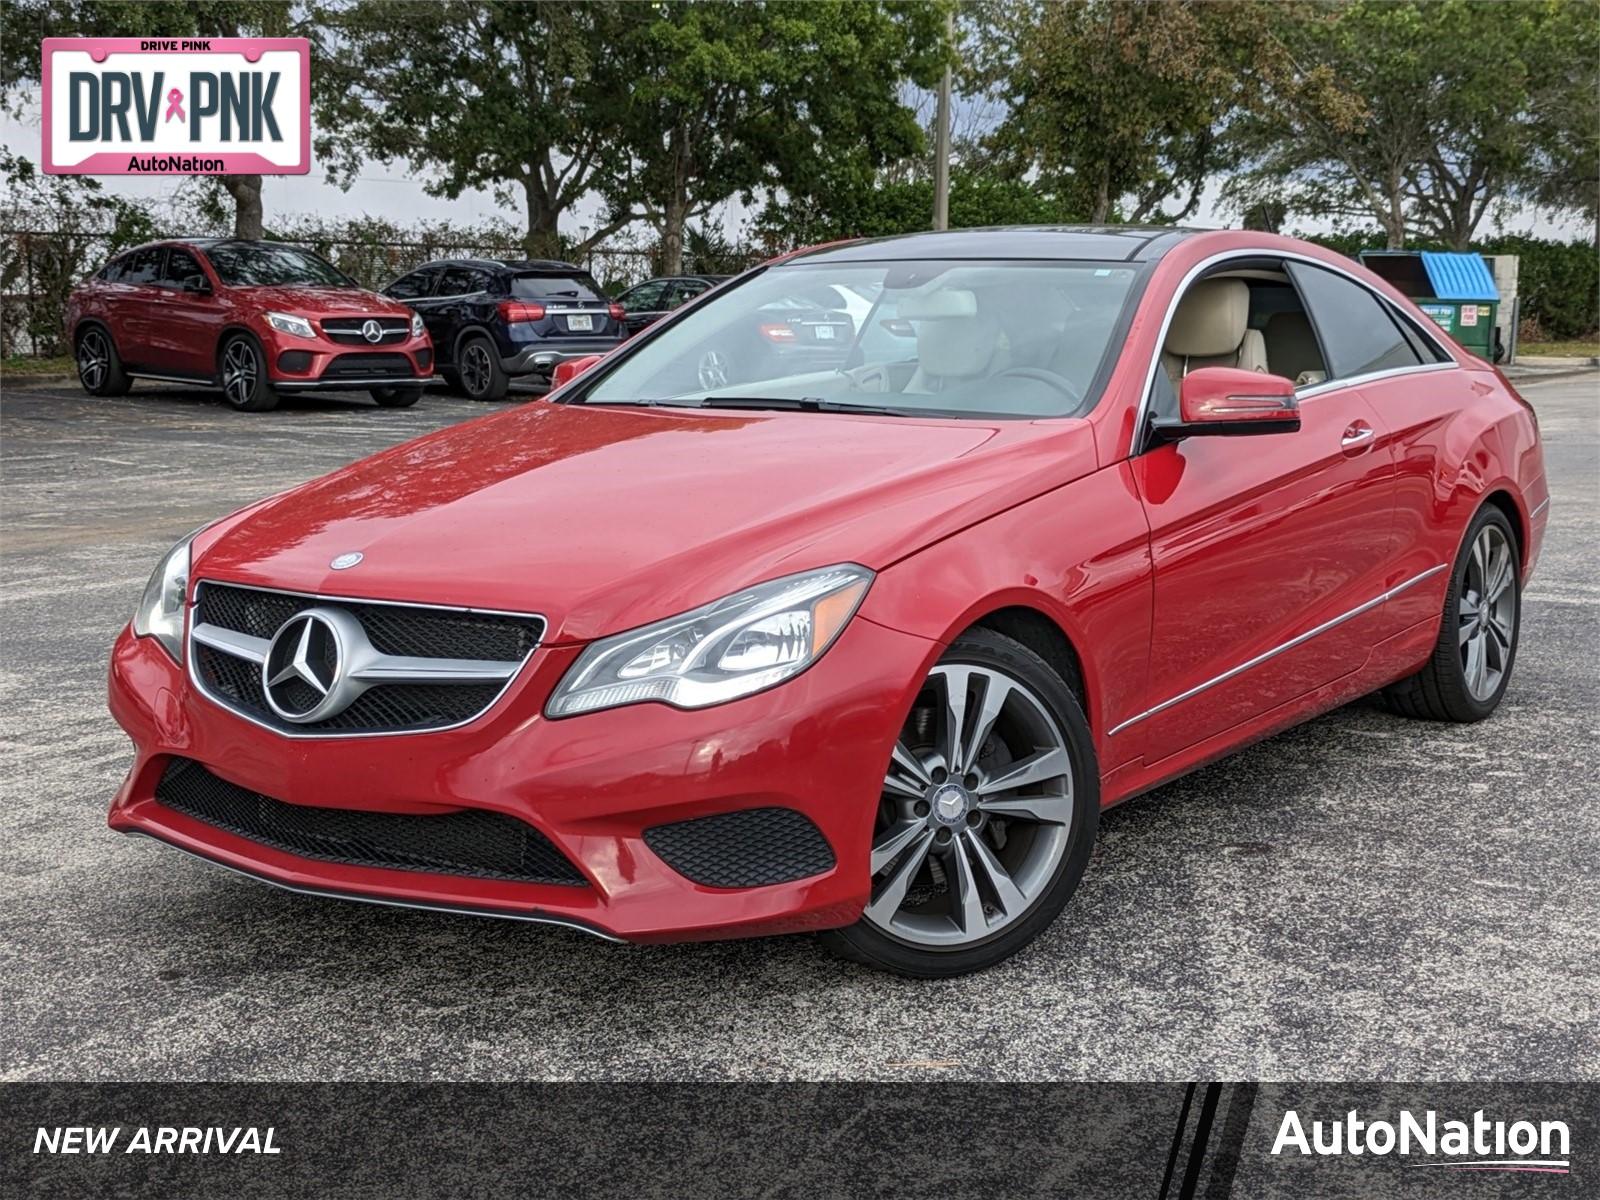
x=795 y=404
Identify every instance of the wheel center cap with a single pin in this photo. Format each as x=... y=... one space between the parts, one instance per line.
x=950 y=803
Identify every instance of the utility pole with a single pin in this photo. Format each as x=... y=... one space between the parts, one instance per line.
x=941 y=140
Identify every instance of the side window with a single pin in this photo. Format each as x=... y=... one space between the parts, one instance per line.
x=412 y=286
x=461 y=281
x=685 y=290
x=143 y=266
x=1163 y=398
x=181 y=266
x=1358 y=333
x=644 y=298
x=112 y=271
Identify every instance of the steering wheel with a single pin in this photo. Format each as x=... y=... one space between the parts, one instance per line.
x=1050 y=379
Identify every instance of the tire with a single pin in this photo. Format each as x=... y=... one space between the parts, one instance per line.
x=398 y=396
x=479 y=371
x=242 y=371
x=100 y=370
x=971 y=870
x=1467 y=673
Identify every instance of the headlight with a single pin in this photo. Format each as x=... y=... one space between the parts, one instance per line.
x=416 y=324
x=728 y=649
x=284 y=323
x=160 y=612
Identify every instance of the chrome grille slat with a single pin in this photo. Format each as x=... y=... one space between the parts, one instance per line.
x=426 y=668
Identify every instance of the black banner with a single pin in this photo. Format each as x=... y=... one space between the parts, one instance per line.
x=708 y=1141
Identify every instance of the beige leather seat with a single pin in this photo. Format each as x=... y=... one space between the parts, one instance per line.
x=955 y=342
x=1292 y=349
x=1211 y=329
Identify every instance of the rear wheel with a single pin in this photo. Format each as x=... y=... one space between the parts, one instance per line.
x=987 y=818
x=478 y=370
x=244 y=376
x=99 y=366
x=398 y=396
x=1477 y=647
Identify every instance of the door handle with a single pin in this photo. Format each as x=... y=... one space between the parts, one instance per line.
x=1357 y=437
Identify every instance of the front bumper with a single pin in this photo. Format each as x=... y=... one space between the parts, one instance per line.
x=593 y=785
x=312 y=364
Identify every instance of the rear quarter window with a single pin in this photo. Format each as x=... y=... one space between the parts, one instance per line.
x=1359 y=332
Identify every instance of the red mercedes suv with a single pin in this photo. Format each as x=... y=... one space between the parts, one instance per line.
x=255 y=318
x=860 y=645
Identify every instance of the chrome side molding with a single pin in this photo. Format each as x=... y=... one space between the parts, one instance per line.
x=1277 y=650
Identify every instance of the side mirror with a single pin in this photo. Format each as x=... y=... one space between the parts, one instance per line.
x=569 y=370
x=196 y=284
x=1215 y=401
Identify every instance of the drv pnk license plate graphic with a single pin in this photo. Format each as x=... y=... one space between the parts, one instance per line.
x=170 y=106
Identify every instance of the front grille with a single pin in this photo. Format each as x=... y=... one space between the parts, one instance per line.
x=392 y=629
x=750 y=848
x=368 y=366
x=348 y=330
x=471 y=841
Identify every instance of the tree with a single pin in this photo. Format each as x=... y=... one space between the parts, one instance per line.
x=23 y=23
x=1421 y=116
x=902 y=206
x=67 y=226
x=727 y=99
x=1114 y=103
x=512 y=97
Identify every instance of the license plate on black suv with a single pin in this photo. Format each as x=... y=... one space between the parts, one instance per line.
x=580 y=323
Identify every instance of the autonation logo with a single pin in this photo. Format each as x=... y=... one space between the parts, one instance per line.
x=1476 y=1145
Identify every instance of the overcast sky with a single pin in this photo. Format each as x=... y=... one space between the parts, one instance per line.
x=395 y=194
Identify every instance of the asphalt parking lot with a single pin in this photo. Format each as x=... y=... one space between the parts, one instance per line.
x=1362 y=897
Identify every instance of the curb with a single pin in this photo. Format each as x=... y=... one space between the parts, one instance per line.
x=1523 y=378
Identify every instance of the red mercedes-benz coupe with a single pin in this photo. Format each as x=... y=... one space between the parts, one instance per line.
x=695 y=649
x=253 y=318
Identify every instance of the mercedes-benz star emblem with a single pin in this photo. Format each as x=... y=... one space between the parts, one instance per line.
x=345 y=561
x=304 y=667
x=371 y=330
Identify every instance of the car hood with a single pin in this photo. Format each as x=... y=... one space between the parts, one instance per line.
x=607 y=518
x=324 y=302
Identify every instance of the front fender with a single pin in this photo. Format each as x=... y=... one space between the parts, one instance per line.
x=1080 y=556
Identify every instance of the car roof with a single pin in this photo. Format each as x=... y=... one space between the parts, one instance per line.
x=506 y=264
x=1098 y=243
x=679 y=278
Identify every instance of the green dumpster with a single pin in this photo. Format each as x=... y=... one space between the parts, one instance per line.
x=1456 y=290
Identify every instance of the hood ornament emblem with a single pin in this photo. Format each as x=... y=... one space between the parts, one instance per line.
x=345 y=561
x=371 y=330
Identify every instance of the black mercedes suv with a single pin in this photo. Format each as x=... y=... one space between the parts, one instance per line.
x=495 y=319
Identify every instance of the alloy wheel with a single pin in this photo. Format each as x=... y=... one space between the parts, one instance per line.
x=976 y=813
x=239 y=371
x=713 y=370
x=1487 y=612
x=475 y=368
x=94 y=358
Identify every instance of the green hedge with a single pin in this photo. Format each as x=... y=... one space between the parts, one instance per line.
x=1559 y=282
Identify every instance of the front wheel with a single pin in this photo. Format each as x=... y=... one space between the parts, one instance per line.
x=1467 y=674
x=244 y=376
x=397 y=396
x=99 y=365
x=988 y=814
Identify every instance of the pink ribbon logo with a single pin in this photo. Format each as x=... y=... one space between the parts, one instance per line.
x=175 y=105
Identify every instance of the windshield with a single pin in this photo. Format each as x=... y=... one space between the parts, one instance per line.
x=244 y=265
x=951 y=338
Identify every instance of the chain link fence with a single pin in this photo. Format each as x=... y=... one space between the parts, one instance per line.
x=40 y=267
